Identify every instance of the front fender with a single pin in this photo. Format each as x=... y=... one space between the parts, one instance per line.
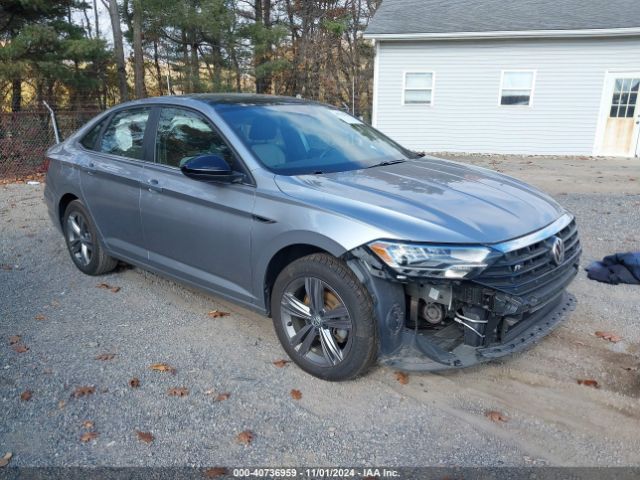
x=266 y=251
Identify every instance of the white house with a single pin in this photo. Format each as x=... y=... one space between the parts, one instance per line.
x=557 y=77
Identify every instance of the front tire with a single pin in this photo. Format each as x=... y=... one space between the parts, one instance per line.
x=83 y=243
x=323 y=317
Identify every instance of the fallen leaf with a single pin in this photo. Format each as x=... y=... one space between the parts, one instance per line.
x=5 y=266
x=612 y=337
x=20 y=348
x=40 y=317
x=402 y=378
x=87 y=424
x=281 y=363
x=215 y=472
x=145 y=437
x=61 y=404
x=26 y=395
x=296 y=394
x=496 y=417
x=221 y=397
x=588 y=383
x=134 y=382
x=106 y=286
x=106 y=356
x=83 y=391
x=13 y=339
x=218 y=314
x=88 y=436
x=178 y=392
x=245 y=437
x=4 y=461
x=162 y=367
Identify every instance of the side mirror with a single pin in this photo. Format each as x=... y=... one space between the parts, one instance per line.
x=210 y=168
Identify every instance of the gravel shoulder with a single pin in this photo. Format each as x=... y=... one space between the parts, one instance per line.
x=65 y=321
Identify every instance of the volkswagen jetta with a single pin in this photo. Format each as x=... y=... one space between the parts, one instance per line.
x=359 y=249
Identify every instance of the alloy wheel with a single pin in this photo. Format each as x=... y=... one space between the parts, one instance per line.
x=316 y=321
x=79 y=238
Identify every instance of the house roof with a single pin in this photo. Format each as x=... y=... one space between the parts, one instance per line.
x=486 y=18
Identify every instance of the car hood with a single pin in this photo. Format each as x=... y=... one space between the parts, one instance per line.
x=429 y=200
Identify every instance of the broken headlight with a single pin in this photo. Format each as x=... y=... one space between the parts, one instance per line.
x=435 y=261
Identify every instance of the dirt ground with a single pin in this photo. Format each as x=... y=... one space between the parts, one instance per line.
x=435 y=419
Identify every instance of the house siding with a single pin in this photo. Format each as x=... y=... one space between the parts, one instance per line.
x=466 y=116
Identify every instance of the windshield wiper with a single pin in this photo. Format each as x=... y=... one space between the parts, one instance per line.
x=387 y=163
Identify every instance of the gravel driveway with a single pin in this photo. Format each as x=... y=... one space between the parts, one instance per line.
x=66 y=321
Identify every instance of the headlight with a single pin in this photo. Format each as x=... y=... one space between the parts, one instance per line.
x=436 y=261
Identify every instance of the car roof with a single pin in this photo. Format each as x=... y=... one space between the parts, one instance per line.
x=218 y=99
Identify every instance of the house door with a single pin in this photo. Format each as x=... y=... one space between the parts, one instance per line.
x=621 y=132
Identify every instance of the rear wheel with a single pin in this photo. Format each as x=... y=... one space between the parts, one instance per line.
x=323 y=317
x=83 y=243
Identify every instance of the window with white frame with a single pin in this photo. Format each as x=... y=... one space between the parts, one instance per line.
x=517 y=87
x=418 y=88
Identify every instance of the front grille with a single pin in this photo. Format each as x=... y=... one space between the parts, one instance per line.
x=532 y=268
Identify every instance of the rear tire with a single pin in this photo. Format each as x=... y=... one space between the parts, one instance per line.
x=324 y=319
x=83 y=242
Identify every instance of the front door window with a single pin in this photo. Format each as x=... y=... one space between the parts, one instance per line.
x=183 y=134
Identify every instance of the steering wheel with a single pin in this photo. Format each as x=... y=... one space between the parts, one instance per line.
x=325 y=154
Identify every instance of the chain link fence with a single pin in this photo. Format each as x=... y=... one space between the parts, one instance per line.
x=25 y=137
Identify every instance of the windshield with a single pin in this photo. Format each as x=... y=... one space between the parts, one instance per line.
x=296 y=139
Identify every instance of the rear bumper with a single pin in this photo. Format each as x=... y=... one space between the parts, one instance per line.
x=49 y=200
x=417 y=352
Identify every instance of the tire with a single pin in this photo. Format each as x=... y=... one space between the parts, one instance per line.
x=83 y=242
x=339 y=314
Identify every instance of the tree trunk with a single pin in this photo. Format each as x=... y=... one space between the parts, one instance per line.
x=195 y=64
x=186 y=70
x=262 y=51
x=156 y=62
x=16 y=95
x=138 y=53
x=97 y=17
x=119 y=50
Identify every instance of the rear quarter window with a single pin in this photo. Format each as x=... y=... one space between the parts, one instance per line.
x=90 y=139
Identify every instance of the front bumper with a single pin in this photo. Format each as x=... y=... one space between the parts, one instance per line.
x=427 y=324
x=418 y=353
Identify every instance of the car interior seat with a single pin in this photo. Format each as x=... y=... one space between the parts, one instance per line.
x=262 y=136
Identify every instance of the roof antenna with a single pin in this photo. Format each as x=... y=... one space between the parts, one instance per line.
x=54 y=122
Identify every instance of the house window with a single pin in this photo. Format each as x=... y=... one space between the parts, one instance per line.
x=418 y=88
x=625 y=96
x=517 y=87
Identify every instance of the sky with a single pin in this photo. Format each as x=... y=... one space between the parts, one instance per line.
x=103 y=18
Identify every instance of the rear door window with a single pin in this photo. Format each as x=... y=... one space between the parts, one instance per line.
x=125 y=134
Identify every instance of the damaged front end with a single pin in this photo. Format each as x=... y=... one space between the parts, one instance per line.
x=489 y=305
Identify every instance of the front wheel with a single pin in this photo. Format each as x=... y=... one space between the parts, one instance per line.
x=323 y=317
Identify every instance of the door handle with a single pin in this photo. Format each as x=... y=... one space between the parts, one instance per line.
x=153 y=185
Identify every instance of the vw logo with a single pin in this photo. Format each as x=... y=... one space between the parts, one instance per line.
x=316 y=321
x=557 y=250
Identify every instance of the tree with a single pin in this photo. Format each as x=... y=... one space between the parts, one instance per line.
x=288 y=47
x=118 y=49
x=45 y=54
